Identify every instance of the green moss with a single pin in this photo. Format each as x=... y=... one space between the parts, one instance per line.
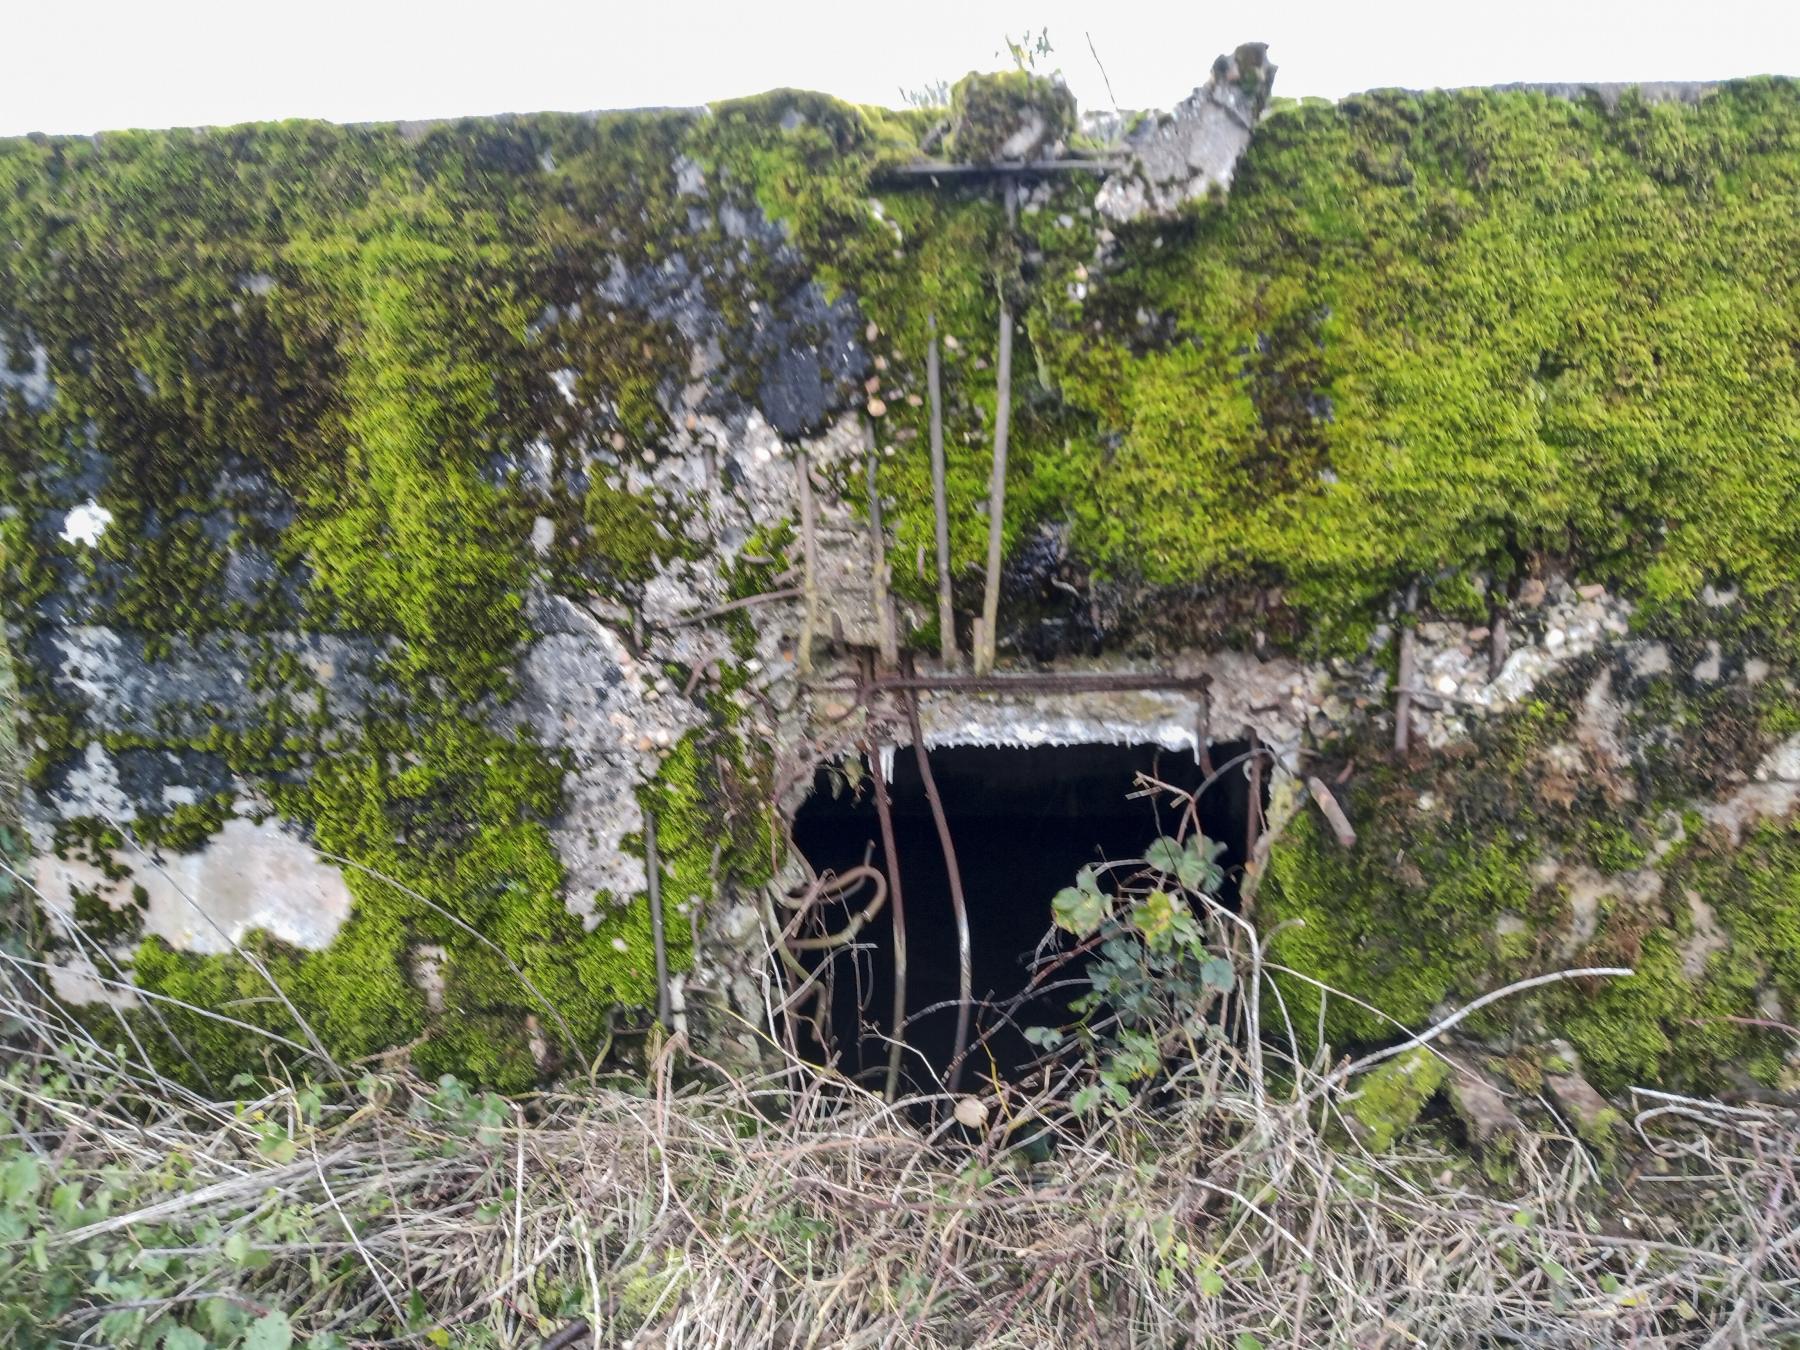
x=1401 y=927
x=105 y=924
x=711 y=825
x=631 y=537
x=183 y=829
x=410 y=540
x=1614 y=847
x=1449 y=293
x=1437 y=903
x=1675 y=1024
x=1390 y=1096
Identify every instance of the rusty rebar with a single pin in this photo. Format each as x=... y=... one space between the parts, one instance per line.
x=653 y=875
x=1061 y=682
x=897 y=1026
x=965 y=963
x=1332 y=811
x=885 y=628
x=990 y=596
x=940 y=502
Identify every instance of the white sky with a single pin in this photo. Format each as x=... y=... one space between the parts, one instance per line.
x=80 y=67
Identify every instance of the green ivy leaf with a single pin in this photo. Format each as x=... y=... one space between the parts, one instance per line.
x=1218 y=973
x=1198 y=867
x=1165 y=856
x=19 y=1180
x=1211 y=1283
x=1079 y=911
x=180 y=1338
x=269 y=1332
x=1156 y=919
x=1085 y=1100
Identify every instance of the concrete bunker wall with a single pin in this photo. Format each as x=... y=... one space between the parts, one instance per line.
x=408 y=515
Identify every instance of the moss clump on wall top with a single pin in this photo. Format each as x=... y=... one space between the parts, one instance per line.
x=1012 y=114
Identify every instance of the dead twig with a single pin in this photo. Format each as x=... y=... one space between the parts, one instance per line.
x=1333 y=813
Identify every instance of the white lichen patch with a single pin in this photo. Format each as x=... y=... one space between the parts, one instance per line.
x=1707 y=939
x=31 y=377
x=77 y=978
x=86 y=523
x=427 y=963
x=1591 y=896
x=583 y=692
x=248 y=876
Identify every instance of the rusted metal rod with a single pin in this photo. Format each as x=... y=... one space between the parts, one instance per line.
x=1069 y=682
x=1333 y=813
x=940 y=502
x=839 y=887
x=653 y=874
x=730 y=606
x=990 y=596
x=884 y=604
x=897 y=1023
x=965 y=963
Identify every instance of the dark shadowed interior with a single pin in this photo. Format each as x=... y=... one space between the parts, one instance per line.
x=1023 y=821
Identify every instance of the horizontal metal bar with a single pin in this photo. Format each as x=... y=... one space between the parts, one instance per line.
x=1071 y=682
x=933 y=168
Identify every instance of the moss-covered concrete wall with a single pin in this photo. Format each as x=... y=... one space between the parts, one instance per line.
x=383 y=488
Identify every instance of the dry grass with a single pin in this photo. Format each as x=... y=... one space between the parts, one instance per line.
x=691 y=1207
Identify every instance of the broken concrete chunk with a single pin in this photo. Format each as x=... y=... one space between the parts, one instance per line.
x=1390 y=1096
x=1494 y=1130
x=1182 y=156
x=1595 y=1121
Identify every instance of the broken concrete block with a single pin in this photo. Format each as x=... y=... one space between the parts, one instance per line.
x=1179 y=157
x=1390 y=1096
x=1595 y=1120
x=1494 y=1130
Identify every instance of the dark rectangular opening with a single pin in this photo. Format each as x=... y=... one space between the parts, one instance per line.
x=1023 y=822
